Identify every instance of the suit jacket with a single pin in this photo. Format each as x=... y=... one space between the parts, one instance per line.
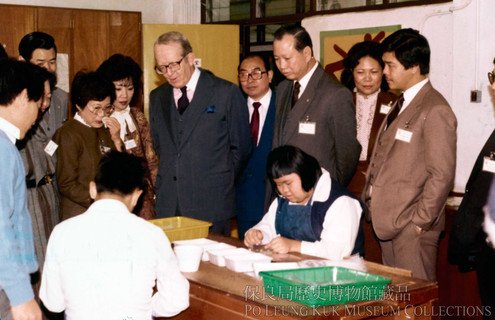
x=411 y=180
x=200 y=151
x=329 y=105
x=467 y=236
x=357 y=183
x=250 y=189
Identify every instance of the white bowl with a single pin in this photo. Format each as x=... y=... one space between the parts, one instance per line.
x=214 y=246
x=217 y=256
x=244 y=262
x=201 y=242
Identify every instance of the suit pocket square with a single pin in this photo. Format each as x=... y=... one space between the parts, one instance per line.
x=210 y=109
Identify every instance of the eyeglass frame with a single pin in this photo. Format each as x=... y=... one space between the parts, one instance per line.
x=101 y=111
x=250 y=74
x=491 y=77
x=158 y=69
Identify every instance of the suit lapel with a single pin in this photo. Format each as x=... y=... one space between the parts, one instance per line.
x=267 y=130
x=405 y=119
x=302 y=105
x=168 y=113
x=197 y=106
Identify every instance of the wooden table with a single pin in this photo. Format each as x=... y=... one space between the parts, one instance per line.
x=218 y=293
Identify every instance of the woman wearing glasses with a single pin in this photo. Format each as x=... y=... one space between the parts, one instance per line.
x=81 y=141
x=135 y=131
x=363 y=74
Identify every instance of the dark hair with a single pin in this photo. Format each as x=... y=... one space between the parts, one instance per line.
x=266 y=63
x=15 y=76
x=33 y=41
x=119 y=67
x=88 y=86
x=120 y=173
x=410 y=48
x=360 y=50
x=288 y=159
x=301 y=36
x=3 y=53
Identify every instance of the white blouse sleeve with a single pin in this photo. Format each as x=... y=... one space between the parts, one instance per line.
x=339 y=232
x=267 y=224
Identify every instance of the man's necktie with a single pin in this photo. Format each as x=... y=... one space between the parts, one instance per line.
x=183 y=101
x=295 y=93
x=255 y=123
x=395 y=112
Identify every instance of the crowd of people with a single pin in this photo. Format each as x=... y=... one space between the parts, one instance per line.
x=300 y=166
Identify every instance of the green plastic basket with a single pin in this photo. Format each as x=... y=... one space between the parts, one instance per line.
x=324 y=286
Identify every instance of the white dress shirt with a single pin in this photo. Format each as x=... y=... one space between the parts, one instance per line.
x=305 y=79
x=12 y=132
x=190 y=87
x=263 y=110
x=340 y=226
x=104 y=263
x=410 y=93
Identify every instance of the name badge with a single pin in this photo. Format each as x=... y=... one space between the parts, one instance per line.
x=51 y=147
x=307 y=127
x=129 y=144
x=488 y=165
x=385 y=108
x=403 y=135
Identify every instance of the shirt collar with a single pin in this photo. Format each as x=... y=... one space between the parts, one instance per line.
x=265 y=100
x=305 y=80
x=410 y=93
x=193 y=82
x=10 y=130
x=78 y=117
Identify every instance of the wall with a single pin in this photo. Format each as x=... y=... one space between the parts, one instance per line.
x=461 y=40
x=152 y=11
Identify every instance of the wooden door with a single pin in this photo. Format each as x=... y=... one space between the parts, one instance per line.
x=125 y=34
x=91 y=39
x=15 y=22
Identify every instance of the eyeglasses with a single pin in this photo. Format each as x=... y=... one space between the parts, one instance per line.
x=256 y=74
x=99 y=111
x=172 y=67
x=491 y=77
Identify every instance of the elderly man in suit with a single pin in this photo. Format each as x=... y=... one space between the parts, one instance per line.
x=255 y=77
x=200 y=130
x=413 y=162
x=314 y=112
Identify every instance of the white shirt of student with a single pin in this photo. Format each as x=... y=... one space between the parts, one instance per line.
x=103 y=264
x=340 y=226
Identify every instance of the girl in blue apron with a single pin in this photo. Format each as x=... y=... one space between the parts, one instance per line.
x=312 y=214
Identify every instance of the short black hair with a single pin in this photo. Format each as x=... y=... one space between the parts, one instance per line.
x=266 y=63
x=410 y=48
x=35 y=40
x=119 y=67
x=15 y=76
x=301 y=36
x=360 y=50
x=88 y=86
x=288 y=159
x=120 y=173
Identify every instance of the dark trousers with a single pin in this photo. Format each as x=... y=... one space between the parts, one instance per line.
x=485 y=270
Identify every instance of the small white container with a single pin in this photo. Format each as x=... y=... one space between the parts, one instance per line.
x=217 y=256
x=188 y=257
x=201 y=242
x=244 y=262
x=214 y=246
